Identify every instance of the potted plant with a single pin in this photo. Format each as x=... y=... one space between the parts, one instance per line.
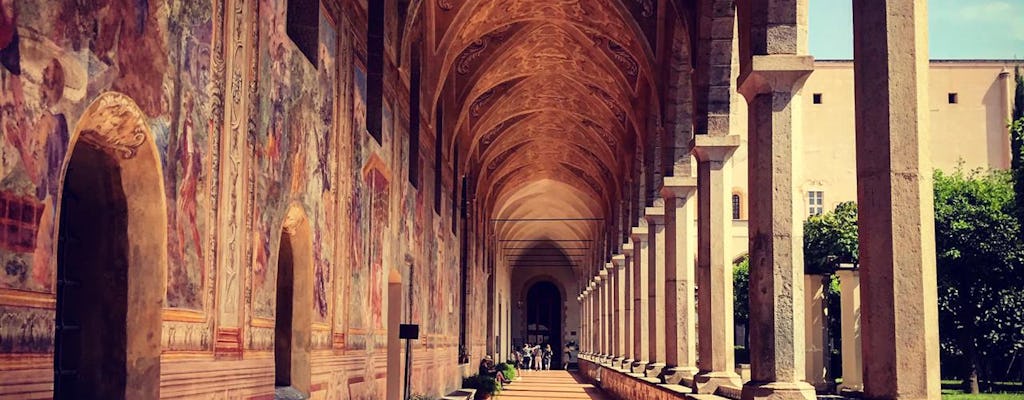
x=485 y=386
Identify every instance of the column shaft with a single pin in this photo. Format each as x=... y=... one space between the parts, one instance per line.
x=680 y=276
x=714 y=269
x=641 y=338
x=627 y=302
x=894 y=193
x=656 y=290
x=849 y=303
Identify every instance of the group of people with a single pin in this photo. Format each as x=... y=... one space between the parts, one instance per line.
x=533 y=357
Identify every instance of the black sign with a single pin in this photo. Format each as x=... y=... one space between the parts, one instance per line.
x=408 y=331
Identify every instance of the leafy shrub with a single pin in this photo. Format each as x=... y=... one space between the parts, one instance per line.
x=508 y=370
x=484 y=385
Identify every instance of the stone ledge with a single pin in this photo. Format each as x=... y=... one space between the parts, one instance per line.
x=461 y=394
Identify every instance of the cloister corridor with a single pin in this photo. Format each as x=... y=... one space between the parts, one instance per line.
x=370 y=199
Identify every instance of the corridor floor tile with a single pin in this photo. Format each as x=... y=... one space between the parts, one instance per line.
x=536 y=385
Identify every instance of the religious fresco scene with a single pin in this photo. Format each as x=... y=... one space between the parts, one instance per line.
x=516 y=199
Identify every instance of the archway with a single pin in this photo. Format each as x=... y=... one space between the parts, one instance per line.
x=111 y=258
x=293 y=320
x=544 y=318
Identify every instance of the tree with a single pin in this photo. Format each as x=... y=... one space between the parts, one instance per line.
x=980 y=274
x=830 y=239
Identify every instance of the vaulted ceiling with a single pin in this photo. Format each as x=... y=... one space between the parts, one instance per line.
x=545 y=102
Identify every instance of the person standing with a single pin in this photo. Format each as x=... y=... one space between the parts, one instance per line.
x=547 y=356
x=538 y=357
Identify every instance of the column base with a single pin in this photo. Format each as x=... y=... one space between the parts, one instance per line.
x=708 y=382
x=638 y=367
x=616 y=362
x=626 y=364
x=654 y=370
x=778 y=391
x=679 y=375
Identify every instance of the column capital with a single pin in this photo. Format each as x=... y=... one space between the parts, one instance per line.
x=627 y=248
x=714 y=148
x=619 y=260
x=775 y=73
x=639 y=235
x=604 y=273
x=678 y=187
x=655 y=215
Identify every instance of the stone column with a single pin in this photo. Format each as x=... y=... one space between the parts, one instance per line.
x=584 y=324
x=680 y=279
x=618 y=346
x=656 y=290
x=849 y=303
x=599 y=314
x=716 y=360
x=816 y=339
x=641 y=338
x=605 y=314
x=777 y=361
x=627 y=300
x=894 y=193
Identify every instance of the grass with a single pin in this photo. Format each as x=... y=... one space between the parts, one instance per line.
x=953 y=390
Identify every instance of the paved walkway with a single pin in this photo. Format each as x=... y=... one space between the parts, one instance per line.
x=537 y=385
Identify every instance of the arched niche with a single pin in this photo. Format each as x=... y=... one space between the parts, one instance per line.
x=294 y=301
x=111 y=257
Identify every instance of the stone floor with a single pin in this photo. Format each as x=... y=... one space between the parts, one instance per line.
x=536 y=385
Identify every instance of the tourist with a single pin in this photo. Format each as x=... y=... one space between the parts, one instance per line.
x=527 y=357
x=547 y=356
x=538 y=357
x=568 y=354
x=487 y=368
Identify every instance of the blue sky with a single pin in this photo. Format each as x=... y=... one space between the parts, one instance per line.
x=958 y=29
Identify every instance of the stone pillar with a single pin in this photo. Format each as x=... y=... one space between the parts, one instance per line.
x=777 y=361
x=894 y=193
x=605 y=313
x=655 y=290
x=716 y=360
x=849 y=303
x=641 y=338
x=816 y=339
x=680 y=279
x=599 y=313
x=618 y=345
x=627 y=300
x=584 y=324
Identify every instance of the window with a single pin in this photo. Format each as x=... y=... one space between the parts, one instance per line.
x=815 y=202
x=735 y=206
x=375 y=69
x=303 y=26
x=817 y=98
x=953 y=98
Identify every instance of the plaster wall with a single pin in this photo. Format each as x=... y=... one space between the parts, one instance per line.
x=970 y=134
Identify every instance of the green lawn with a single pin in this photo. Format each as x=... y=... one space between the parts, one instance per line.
x=951 y=390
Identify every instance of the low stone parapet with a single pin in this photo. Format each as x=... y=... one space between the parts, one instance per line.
x=622 y=384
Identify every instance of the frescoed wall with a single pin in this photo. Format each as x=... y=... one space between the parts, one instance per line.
x=246 y=127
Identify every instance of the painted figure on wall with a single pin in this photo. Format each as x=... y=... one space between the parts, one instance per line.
x=379 y=225
x=34 y=142
x=187 y=174
x=358 y=280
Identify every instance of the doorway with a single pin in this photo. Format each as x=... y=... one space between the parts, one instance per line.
x=111 y=256
x=544 y=319
x=90 y=342
x=293 y=320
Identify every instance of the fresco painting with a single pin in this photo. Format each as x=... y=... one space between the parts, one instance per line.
x=378 y=226
x=186 y=170
x=323 y=171
x=50 y=71
x=358 y=289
